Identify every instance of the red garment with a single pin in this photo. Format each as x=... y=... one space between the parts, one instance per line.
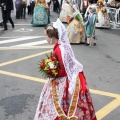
x=57 y=53
x=84 y=101
x=62 y=72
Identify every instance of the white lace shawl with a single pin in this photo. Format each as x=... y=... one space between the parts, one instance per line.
x=72 y=66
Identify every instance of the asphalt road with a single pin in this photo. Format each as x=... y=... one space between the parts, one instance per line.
x=21 y=83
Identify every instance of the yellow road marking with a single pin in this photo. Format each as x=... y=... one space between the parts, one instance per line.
x=104 y=93
x=100 y=114
x=24 y=58
x=43 y=81
x=25 y=48
x=22 y=76
x=107 y=109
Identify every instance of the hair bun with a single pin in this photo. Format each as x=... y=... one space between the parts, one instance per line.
x=51 y=31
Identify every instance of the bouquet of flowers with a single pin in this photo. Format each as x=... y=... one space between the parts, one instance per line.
x=49 y=66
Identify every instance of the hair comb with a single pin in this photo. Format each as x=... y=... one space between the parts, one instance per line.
x=50 y=27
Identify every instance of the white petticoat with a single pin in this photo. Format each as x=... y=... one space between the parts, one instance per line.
x=46 y=109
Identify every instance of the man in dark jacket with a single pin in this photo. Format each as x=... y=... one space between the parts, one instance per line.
x=18 y=8
x=32 y=4
x=7 y=8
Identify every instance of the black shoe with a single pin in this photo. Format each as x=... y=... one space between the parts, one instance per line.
x=94 y=44
x=82 y=43
x=1 y=24
x=87 y=44
x=18 y=18
x=13 y=26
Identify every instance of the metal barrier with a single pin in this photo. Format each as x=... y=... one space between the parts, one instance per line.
x=118 y=16
x=114 y=15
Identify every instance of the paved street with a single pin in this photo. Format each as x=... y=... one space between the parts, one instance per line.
x=21 y=83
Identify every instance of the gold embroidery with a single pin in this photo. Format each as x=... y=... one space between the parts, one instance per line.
x=72 y=105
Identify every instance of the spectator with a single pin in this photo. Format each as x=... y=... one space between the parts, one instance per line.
x=23 y=9
x=18 y=8
x=78 y=2
x=29 y=9
x=32 y=5
x=7 y=8
x=55 y=6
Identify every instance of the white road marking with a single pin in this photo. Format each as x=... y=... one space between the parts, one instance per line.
x=19 y=39
x=23 y=24
x=31 y=43
x=8 y=37
x=22 y=36
x=23 y=30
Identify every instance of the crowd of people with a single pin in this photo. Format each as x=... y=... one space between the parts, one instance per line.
x=21 y=6
x=74 y=12
x=81 y=27
x=114 y=4
x=81 y=18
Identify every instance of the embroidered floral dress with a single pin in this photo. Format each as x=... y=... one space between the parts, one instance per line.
x=57 y=104
x=103 y=19
x=76 y=29
x=65 y=11
x=40 y=15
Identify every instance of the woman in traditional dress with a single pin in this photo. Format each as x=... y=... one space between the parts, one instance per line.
x=65 y=97
x=41 y=14
x=103 y=19
x=76 y=29
x=66 y=10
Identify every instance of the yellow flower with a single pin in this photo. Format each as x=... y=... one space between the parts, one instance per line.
x=54 y=72
x=46 y=68
x=47 y=60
